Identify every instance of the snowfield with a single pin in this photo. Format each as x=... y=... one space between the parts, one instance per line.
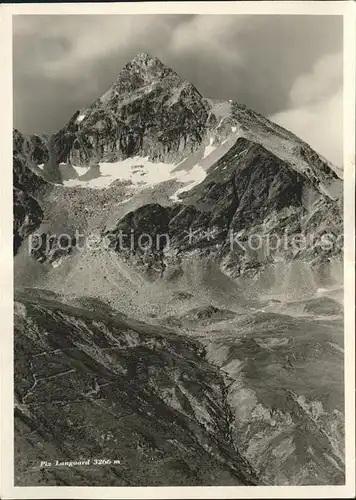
x=191 y=178
x=140 y=172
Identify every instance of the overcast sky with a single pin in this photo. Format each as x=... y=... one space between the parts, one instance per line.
x=287 y=67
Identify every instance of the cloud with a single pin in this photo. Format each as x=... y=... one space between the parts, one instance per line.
x=253 y=59
x=210 y=35
x=94 y=41
x=89 y=39
x=316 y=108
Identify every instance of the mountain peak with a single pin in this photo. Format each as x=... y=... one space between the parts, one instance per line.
x=145 y=64
x=143 y=58
x=141 y=71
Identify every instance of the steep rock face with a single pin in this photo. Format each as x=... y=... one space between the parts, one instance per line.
x=28 y=214
x=96 y=383
x=141 y=235
x=244 y=185
x=28 y=151
x=32 y=147
x=249 y=199
x=149 y=110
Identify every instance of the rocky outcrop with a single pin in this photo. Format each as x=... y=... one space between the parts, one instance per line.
x=32 y=147
x=26 y=184
x=27 y=216
x=203 y=315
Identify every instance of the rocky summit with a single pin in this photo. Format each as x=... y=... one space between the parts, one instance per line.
x=178 y=274
x=149 y=111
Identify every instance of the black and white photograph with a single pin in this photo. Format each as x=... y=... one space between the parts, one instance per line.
x=178 y=250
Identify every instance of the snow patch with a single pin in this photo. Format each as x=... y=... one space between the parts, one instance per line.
x=57 y=263
x=80 y=118
x=140 y=172
x=220 y=122
x=80 y=170
x=41 y=165
x=191 y=178
x=210 y=148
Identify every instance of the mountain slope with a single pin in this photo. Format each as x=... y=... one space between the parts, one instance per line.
x=91 y=384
